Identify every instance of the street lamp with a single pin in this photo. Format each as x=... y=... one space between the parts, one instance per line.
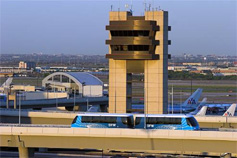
x=74 y=99
x=172 y=98
x=19 y=107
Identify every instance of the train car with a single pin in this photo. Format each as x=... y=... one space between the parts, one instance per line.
x=166 y=121
x=3 y=97
x=103 y=120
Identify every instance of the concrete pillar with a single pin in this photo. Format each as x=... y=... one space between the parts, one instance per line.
x=15 y=100
x=25 y=152
x=76 y=108
x=117 y=86
x=7 y=101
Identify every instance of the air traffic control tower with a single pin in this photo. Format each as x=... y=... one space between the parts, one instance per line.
x=138 y=45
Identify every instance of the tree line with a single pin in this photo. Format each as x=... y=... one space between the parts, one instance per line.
x=185 y=75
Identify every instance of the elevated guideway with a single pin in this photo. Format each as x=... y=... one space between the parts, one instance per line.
x=129 y=140
x=65 y=118
x=67 y=103
x=217 y=121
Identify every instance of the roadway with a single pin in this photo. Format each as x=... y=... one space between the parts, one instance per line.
x=65 y=118
x=212 y=143
x=68 y=103
x=7 y=154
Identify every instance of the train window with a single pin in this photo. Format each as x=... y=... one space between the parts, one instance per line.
x=151 y=120
x=138 y=120
x=109 y=120
x=98 y=119
x=191 y=122
x=86 y=119
x=172 y=120
x=124 y=120
x=127 y=121
x=75 y=119
x=163 y=120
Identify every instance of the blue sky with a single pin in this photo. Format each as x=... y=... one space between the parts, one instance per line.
x=78 y=27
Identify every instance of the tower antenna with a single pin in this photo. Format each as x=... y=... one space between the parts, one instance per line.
x=119 y=6
x=144 y=5
x=126 y=6
x=111 y=7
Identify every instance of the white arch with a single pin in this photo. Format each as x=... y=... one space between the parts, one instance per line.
x=45 y=80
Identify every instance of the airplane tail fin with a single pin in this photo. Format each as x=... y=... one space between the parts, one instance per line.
x=202 y=112
x=193 y=99
x=230 y=111
x=203 y=102
x=94 y=108
x=8 y=82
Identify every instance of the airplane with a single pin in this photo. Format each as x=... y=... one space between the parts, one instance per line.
x=201 y=109
x=230 y=111
x=6 y=84
x=94 y=108
x=188 y=105
x=201 y=112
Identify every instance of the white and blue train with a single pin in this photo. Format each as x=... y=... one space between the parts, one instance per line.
x=103 y=120
x=149 y=121
x=166 y=121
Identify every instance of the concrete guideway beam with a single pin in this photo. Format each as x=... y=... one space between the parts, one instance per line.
x=132 y=140
x=62 y=118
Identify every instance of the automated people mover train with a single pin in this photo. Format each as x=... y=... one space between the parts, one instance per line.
x=162 y=121
x=106 y=120
x=153 y=121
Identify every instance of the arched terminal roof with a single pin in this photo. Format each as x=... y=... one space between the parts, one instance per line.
x=86 y=78
x=80 y=78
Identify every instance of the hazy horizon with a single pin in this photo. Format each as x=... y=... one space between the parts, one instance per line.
x=78 y=27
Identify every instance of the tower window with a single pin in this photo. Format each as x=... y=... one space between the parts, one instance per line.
x=130 y=33
x=130 y=47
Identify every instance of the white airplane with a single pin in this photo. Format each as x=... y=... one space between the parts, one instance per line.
x=94 y=108
x=189 y=105
x=6 y=84
x=201 y=109
x=202 y=112
x=230 y=111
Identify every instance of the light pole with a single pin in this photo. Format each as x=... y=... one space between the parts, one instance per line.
x=19 y=109
x=87 y=104
x=74 y=99
x=191 y=83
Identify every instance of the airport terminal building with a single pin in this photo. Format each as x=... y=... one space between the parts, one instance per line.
x=79 y=83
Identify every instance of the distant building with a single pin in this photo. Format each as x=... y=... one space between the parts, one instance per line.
x=235 y=63
x=192 y=64
x=14 y=70
x=6 y=74
x=27 y=65
x=80 y=83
